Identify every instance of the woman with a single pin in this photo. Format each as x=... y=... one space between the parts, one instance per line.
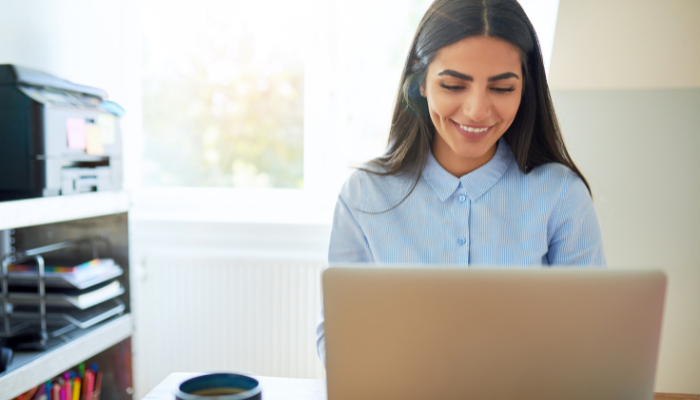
x=476 y=171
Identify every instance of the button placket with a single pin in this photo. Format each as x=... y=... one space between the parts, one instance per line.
x=463 y=238
x=467 y=204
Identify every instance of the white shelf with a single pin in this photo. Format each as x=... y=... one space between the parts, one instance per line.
x=30 y=369
x=47 y=210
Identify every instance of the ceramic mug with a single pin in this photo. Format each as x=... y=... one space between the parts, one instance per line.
x=221 y=386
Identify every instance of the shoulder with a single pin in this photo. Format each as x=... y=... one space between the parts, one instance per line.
x=573 y=230
x=552 y=173
x=556 y=179
x=352 y=192
x=366 y=189
x=565 y=192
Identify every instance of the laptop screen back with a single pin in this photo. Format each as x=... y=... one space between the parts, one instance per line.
x=419 y=333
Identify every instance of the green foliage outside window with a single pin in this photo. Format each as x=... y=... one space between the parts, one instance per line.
x=222 y=106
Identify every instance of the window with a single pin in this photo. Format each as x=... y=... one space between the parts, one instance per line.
x=223 y=85
x=273 y=95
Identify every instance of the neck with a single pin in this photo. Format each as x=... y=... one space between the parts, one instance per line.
x=456 y=164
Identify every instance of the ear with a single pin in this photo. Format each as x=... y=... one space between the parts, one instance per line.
x=422 y=90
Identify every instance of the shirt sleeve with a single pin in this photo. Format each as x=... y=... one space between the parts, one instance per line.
x=576 y=236
x=348 y=244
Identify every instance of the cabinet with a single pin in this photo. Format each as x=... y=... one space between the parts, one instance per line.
x=39 y=222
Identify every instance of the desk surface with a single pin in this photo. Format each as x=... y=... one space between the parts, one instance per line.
x=272 y=388
x=302 y=389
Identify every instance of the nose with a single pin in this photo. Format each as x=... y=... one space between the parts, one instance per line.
x=477 y=106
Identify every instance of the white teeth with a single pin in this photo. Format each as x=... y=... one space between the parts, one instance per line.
x=477 y=130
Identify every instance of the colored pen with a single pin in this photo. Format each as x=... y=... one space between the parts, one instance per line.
x=71 y=388
x=33 y=392
x=48 y=390
x=88 y=384
x=56 y=391
x=28 y=394
x=41 y=393
x=76 y=389
x=66 y=383
x=67 y=388
x=81 y=370
x=98 y=386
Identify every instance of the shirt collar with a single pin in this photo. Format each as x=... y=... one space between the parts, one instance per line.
x=475 y=183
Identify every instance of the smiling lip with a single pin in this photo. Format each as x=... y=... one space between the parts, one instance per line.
x=472 y=131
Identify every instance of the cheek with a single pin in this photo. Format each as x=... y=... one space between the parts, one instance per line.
x=508 y=108
x=442 y=106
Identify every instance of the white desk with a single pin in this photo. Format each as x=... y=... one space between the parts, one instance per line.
x=272 y=388
x=303 y=389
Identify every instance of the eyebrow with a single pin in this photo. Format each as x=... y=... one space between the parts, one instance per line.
x=464 y=77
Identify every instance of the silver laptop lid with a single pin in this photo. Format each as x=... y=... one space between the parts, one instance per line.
x=420 y=333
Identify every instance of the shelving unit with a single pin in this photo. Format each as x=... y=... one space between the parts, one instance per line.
x=47 y=210
x=43 y=221
x=30 y=369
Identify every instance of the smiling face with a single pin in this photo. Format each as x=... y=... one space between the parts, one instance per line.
x=473 y=88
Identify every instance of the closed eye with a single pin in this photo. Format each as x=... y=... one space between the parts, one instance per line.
x=457 y=88
x=452 y=88
x=503 y=90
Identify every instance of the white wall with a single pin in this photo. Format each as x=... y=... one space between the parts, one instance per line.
x=626 y=84
x=251 y=303
x=626 y=44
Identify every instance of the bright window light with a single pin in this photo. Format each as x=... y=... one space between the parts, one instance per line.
x=223 y=85
x=269 y=95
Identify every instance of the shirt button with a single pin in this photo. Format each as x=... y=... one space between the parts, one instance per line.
x=462 y=198
x=462 y=240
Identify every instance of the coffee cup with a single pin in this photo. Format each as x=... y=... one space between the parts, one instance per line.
x=222 y=386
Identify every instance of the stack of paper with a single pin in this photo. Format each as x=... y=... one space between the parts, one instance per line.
x=81 y=276
x=76 y=295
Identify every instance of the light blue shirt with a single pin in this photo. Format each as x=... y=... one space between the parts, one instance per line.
x=495 y=215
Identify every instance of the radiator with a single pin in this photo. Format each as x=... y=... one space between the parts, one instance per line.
x=225 y=313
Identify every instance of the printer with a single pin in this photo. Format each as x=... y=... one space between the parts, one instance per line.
x=56 y=137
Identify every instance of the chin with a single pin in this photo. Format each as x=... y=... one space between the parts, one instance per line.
x=476 y=149
x=472 y=153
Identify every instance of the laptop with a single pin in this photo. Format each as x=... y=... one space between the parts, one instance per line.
x=438 y=333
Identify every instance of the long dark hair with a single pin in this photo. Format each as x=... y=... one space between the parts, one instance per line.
x=534 y=136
